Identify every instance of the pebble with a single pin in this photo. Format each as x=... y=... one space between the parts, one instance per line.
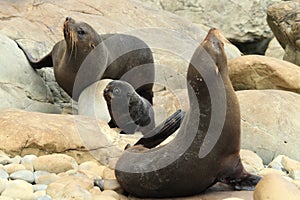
x=18 y=189
x=295 y=174
x=290 y=164
x=16 y=160
x=46 y=179
x=110 y=193
x=251 y=161
x=25 y=175
x=275 y=187
x=111 y=184
x=3 y=174
x=276 y=163
x=3 y=184
x=11 y=168
x=39 y=187
x=108 y=174
x=92 y=166
x=6 y=198
x=39 y=193
x=267 y=171
x=4 y=159
x=55 y=163
x=45 y=197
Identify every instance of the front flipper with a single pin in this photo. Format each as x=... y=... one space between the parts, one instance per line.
x=162 y=131
x=37 y=64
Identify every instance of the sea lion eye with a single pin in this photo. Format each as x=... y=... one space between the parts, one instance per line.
x=81 y=32
x=116 y=91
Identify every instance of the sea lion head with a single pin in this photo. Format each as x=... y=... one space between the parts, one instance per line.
x=118 y=91
x=214 y=45
x=80 y=35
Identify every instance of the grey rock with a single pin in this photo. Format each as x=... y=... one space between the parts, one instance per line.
x=39 y=187
x=25 y=175
x=28 y=158
x=45 y=197
x=3 y=174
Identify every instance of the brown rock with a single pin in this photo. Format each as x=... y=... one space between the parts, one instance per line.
x=69 y=191
x=283 y=20
x=275 y=187
x=270 y=123
x=109 y=173
x=25 y=133
x=93 y=167
x=110 y=193
x=18 y=189
x=54 y=163
x=11 y=168
x=251 y=161
x=261 y=72
x=267 y=171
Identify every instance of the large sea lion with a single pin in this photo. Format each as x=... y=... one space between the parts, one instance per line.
x=206 y=147
x=118 y=55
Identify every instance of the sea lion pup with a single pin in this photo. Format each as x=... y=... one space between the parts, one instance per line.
x=118 y=55
x=128 y=110
x=132 y=113
x=206 y=147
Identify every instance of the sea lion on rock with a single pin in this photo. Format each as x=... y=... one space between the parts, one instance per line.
x=206 y=147
x=119 y=55
x=128 y=110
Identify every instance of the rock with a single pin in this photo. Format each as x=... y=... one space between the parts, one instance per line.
x=55 y=163
x=295 y=174
x=290 y=164
x=18 y=189
x=93 y=167
x=3 y=184
x=27 y=161
x=39 y=187
x=275 y=187
x=109 y=174
x=39 y=194
x=83 y=182
x=25 y=175
x=261 y=72
x=297 y=183
x=283 y=19
x=91 y=101
x=275 y=50
x=11 y=168
x=3 y=174
x=241 y=21
x=71 y=191
x=4 y=159
x=26 y=133
x=111 y=184
x=16 y=160
x=267 y=171
x=110 y=193
x=20 y=86
x=96 y=193
x=277 y=163
x=267 y=134
x=251 y=161
x=5 y=198
x=45 y=197
x=45 y=178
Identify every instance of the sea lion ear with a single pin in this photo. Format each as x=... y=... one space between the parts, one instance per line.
x=93 y=45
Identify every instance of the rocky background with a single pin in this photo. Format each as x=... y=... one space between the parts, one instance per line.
x=52 y=153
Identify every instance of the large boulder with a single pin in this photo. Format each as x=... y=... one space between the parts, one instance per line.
x=242 y=21
x=270 y=123
x=261 y=72
x=173 y=39
x=283 y=18
x=21 y=87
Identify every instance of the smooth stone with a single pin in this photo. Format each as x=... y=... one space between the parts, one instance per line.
x=46 y=179
x=39 y=187
x=28 y=158
x=90 y=174
x=4 y=159
x=6 y=198
x=111 y=184
x=110 y=193
x=267 y=171
x=69 y=191
x=19 y=189
x=39 y=193
x=3 y=174
x=45 y=197
x=11 y=168
x=55 y=163
x=290 y=164
x=3 y=184
x=108 y=174
x=25 y=175
x=96 y=193
x=40 y=173
x=251 y=161
x=277 y=163
x=275 y=187
x=16 y=160
x=93 y=167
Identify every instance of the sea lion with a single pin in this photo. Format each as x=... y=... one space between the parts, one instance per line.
x=118 y=55
x=206 y=147
x=128 y=110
